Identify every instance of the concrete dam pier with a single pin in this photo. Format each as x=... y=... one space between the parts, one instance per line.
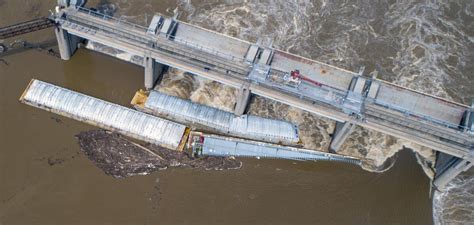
x=349 y=98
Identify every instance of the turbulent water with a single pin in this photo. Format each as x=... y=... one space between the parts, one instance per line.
x=456 y=204
x=426 y=45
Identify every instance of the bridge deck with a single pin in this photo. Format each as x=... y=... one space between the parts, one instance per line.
x=421 y=104
x=210 y=42
x=323 y=73
x=328 y=91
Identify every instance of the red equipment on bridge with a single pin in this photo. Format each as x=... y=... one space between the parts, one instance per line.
x=295 y=74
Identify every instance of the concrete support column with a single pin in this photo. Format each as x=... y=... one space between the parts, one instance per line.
x=470 y=118
x=243 y=98
x=341 y=133
x=152 y=71
x=67 y=43
x=63 y=43
x=441 y=180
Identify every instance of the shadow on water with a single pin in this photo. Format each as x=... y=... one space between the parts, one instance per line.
x=19 y=46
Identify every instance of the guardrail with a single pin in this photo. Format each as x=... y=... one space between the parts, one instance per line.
x=295 y=93
x=153 y=42
x=164 y=48
x=420 y=116
x=175 y=38
x=423 y=128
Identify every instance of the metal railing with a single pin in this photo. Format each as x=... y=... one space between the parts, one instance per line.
x=155 y=42
x=107 y=17
x=420 y=116
x=119 y=22
x=169 y=49
x=443 y=136
x=294 y=92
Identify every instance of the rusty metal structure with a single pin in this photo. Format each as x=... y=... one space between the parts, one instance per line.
x=25 y=27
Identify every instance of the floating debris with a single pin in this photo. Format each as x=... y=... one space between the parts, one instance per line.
x=120 y=157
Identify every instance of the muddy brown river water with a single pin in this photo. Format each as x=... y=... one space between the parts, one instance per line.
x=45 y=179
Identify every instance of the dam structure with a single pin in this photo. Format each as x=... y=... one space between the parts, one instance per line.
x=349 y=98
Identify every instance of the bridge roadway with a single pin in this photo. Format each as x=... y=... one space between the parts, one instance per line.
x=327 y=91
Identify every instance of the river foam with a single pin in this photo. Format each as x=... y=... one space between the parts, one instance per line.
x=456 y=204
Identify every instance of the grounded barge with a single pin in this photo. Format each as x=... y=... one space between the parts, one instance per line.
x=158 y=131
x=215 y=145
x=216 y=120
x=103 y=114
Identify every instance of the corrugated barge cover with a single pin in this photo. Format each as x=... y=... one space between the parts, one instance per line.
x=222 y=146
x=247 y=125
x=103 y=114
